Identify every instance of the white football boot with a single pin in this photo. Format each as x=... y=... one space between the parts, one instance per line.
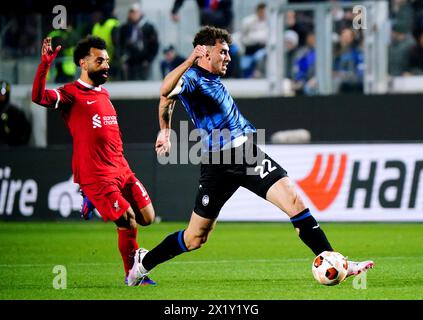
x=138 y=272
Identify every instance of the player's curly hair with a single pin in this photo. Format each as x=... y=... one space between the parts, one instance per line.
x=208 y=35
x=83 y=47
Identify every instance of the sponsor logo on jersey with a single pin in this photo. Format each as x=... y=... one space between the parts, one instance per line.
x=96 y=121
x=109 y=120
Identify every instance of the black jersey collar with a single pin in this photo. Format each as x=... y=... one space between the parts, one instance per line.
x=206 y=73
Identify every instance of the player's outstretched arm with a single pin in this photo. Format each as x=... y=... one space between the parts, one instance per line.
x=171 y=86
x=40 y=95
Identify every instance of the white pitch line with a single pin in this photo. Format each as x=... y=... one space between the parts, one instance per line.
x=23 y=265
x=171 y=262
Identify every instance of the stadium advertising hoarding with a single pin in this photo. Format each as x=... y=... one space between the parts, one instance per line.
x=339 y=182
x=37 y=184
x=364 y=182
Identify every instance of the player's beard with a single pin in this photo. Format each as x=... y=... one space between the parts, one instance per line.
x=98 y=77
x=223 y=69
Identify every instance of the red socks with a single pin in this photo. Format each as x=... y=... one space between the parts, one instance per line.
x=127 y=242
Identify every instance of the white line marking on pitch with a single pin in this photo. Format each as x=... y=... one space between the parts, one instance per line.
x=23 y=265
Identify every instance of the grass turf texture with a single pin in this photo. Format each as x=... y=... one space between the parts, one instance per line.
x=240 y=261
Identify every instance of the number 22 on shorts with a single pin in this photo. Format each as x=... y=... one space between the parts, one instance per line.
x=265 y=168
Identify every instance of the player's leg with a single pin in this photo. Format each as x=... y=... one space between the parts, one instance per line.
x=112 y=206
x=213 y=191
x=127 y=233
x=127 y=220
x=136 y=194
x=127 y=238
x=141 y=212
x=284 y=195
x=270 y=181
x=192 y=238
x=146 y=216
x=173 y=245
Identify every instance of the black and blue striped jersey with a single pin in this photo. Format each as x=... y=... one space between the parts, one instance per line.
x=212 y=109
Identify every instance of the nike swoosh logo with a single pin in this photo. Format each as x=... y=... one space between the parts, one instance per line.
x=91 y=102
x=315 y=227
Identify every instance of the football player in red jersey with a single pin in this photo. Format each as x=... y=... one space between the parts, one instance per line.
x=98 y=162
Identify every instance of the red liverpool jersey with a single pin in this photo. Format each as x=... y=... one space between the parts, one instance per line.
x=92 y=122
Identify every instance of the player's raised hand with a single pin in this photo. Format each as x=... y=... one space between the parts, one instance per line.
x=47 y=53
x=198 y=52
x=163 y=142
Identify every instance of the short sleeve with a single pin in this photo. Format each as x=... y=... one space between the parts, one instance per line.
x=189 y=82
x=186 y=84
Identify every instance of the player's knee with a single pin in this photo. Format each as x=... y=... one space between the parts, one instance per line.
x=148 y=216
x=145 y=222
x=297 y=203
x=123 y=223
x=127 y=221
x=196 y=243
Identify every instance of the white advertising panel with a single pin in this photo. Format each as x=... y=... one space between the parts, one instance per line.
x=365 y=182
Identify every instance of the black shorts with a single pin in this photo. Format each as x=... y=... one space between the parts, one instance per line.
x=249 y=167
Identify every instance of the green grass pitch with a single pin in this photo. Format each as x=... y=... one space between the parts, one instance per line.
x=243 y=261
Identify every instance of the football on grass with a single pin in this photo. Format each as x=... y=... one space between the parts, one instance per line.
x=330 y=268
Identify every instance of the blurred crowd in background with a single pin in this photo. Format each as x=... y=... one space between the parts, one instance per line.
x=134 y=45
